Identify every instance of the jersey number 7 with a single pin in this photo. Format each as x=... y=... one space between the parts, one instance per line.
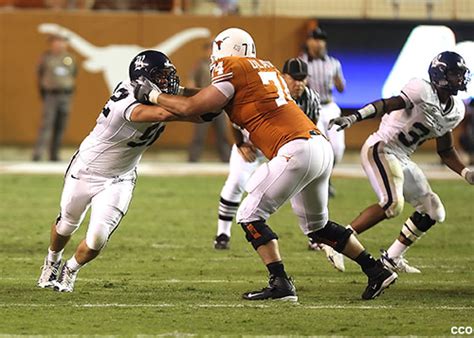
x=269 y=78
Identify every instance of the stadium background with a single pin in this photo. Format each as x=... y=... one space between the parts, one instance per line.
x=366 y=36
x=160 y=274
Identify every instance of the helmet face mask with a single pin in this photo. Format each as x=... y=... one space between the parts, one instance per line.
x=157 y=68
x=233 y=42
x=166 y=79
x=448 y=71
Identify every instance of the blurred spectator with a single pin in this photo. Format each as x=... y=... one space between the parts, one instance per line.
x=325 y=73
x=227 y=7
x=467 y=135
x=200 y=78
x=56 y=80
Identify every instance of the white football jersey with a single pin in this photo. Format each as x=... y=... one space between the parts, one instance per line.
x=116 y=144
x=424 y=118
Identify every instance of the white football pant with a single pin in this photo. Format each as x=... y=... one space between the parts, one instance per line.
x=327 y=113
x=299 y=172
x=395 y=181
x=108 y=198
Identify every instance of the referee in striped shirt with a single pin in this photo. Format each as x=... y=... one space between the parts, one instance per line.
x=295 y=73
x=325 y=73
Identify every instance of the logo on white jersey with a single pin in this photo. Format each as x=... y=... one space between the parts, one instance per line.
x=139 y=62
x=113 y=60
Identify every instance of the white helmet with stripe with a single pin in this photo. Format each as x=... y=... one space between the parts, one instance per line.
x=233 y=42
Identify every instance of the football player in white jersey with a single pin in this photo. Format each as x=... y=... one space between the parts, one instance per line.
x=424 y=110
x=102 y=173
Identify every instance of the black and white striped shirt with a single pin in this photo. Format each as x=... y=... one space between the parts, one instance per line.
x=321 y=73
x=309 y=103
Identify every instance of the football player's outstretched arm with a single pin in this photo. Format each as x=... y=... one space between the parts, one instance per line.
x=450 y=157
x=376 y=108
x=198 y=106
x=148 y=113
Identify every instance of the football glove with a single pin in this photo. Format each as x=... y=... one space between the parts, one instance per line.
x=145 y=91
x=343 y=122
x=468 y=176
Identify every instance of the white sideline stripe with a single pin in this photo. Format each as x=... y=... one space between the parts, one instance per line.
x=185 y=169
x=306 y=307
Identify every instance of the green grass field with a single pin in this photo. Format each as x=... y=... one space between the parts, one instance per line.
x=160 y=274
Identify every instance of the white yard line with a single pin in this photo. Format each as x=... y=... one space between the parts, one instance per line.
x=248 y=305
x=235 y=281
x=186 y=169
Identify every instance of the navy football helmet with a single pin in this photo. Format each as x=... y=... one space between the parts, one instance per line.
x=157 y=68
x=449 y=71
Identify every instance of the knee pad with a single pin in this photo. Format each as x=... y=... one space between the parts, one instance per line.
x=332 y=234
x=65 y=227
x=258 y=233
x=394 y=208
x=416 y=226
x=101 y=227
x=433 y=207
x=97 y=239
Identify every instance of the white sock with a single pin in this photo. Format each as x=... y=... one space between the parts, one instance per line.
x=73 y=264
x=223 y=227
x=397 y=249
x=54 y=256
x=227 y=211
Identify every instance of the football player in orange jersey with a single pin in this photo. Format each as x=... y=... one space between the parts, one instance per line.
x=254 y=95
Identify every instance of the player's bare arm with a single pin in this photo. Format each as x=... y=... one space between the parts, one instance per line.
x=450 y=157
x=185 y=91
x=374 y=109
x=147 y=113
x=208 y=99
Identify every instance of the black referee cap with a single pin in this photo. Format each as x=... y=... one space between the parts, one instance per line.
x=318 y=34
x=296 y=68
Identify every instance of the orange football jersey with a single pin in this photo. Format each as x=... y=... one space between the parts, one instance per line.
x=262 y=103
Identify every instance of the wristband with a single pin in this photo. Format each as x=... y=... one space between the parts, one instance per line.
x=365 y=112
x=153 y=96
x=180 y=91
x=464 y=172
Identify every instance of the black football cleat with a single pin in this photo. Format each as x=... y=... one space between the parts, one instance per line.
x=222 y=242
x=380 y=278
x=279 y=288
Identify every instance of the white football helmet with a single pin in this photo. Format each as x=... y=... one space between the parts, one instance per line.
x=233 y=42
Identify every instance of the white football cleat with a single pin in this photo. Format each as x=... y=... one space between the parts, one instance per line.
x=49 y=274
x=66 y=280
x=397 y=264
x=334 y=257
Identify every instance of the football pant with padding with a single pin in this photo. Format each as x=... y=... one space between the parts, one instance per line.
x=336 y=138
x=108 y=198
x=396 y=181
x=299 y=172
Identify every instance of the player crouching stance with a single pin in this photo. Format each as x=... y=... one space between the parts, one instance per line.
x=424 y=110
x=102 y=173
x=256 y=98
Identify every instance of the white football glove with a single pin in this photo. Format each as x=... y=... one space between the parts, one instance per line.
x=469 y=176
x=145 y=91
x=343 y=122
